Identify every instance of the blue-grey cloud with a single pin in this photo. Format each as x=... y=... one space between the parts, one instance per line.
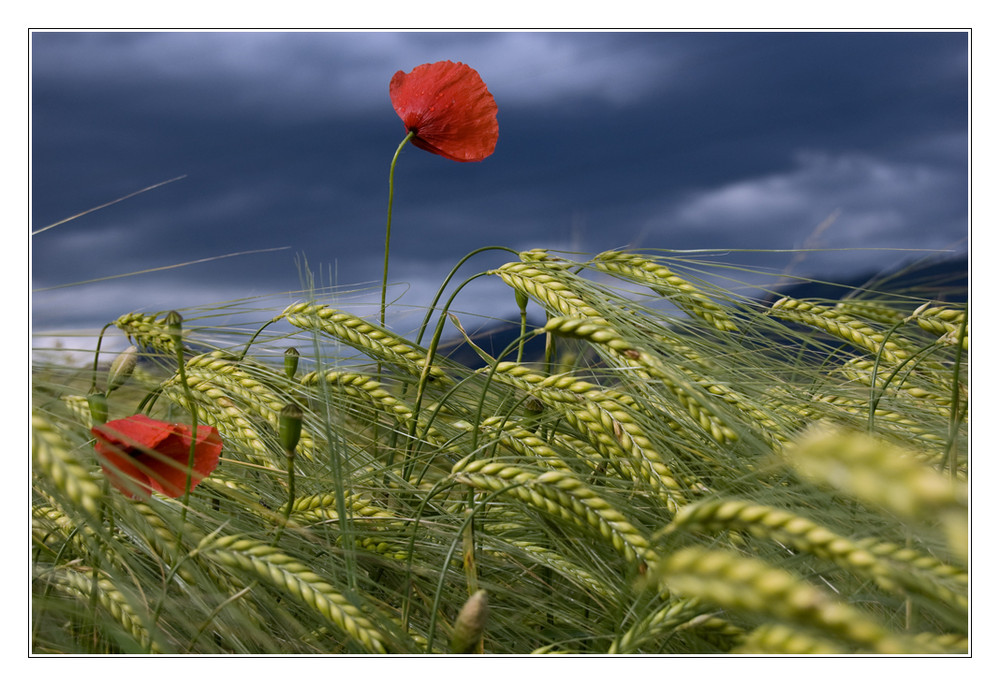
x=654 y=140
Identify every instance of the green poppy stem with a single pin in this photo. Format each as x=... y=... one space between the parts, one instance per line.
x=175 y=331
x=388 y=224
x=97 y=355
x=289 y=433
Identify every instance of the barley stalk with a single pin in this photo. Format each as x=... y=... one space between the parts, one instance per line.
x=215 y=408
x=667 y=619
x=876 y=472
x=322 y=508
x=232 y=376
x=871 y=310
x=750 y=585
x=612 y=427
x=111 y=599
x=845 y=328
x=860 y=370
x=370 y=339
x=943 y=321
x=778 y=639
x=943 y=643
x=144 y=523
x=562 y=389
x=805 y=535
x=664 y=282
x=284 y=572
x=886 y=476
x=240 y=396
x=149 y=331
x=51 y=456
x=548 y=559
x=363 y=387
x=521 y=441
x=561 y=495
x=630 y=356
x=888 y=419
x=568 y=387
x=548 y=287
x=51 y=530
x=79 y=408
x=914 y=559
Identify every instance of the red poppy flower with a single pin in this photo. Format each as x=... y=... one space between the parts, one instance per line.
x=448 y=107
x=141 y=455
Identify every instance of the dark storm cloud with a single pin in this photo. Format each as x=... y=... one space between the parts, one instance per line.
x=679 y=141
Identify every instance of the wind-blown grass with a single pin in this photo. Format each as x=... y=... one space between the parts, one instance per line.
x=686 y=472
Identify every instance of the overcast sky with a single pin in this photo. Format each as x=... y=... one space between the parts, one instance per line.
x=684 y=141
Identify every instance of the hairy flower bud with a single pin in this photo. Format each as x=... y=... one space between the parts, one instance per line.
x=173 y=322
x=521 y=298
x=291 y=362
x=98 y=403
x=290 y=426
x=470 y=623
x=122 y=367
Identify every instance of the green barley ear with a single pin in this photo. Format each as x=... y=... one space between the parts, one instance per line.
x=884 y=475
x=98 y=403
x=748 y=585
x=52 y=455
x=291 y=362
x=122 y=368
x=467 y=636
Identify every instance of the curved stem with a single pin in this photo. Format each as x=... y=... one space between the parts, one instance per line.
x=194 y=435
x=951 y=454
x=246 y=348
x=440 y=292
x=432 y=347
x=388 y=225
x=524 y=330
x=290 y=461
x=97 y=355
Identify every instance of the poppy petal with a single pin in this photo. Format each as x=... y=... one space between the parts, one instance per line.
x=170 y=461
x=448 y=107
x=122 y=470
x=140 y=454
x=137 y=430
x=167 y=463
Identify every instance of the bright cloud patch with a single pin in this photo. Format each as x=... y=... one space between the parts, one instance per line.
x=875 y=200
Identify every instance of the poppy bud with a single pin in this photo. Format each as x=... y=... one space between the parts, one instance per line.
x=122 y=367
x=291 y=362
x=290 y=426
x=521 y=298
x=173 y=322
x=98 y=403
x=469 y=624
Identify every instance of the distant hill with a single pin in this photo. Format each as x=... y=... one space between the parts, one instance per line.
x=943 y=280
x=493 y=341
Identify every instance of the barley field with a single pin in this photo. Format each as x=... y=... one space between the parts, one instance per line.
x=684 y=470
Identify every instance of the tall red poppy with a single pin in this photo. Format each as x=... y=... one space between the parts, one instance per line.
x=141 y=455
x=447 y=106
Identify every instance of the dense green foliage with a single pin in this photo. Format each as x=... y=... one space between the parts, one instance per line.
x=686 y=471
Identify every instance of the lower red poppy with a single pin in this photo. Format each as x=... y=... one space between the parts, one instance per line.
x=140 y=455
